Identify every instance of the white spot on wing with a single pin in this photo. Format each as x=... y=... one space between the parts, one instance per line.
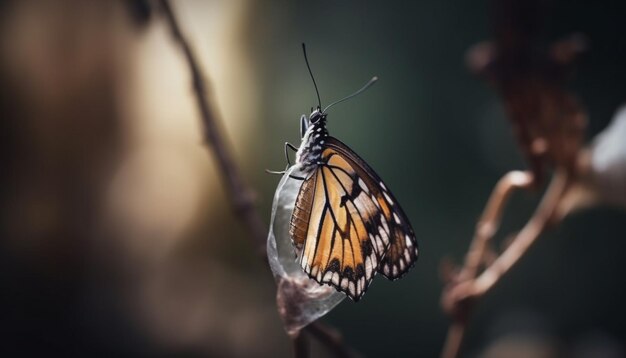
x=327 y=276
x=388 y=198
x=382 y=185
x=375 y=201
x=409 y=243
x=335 y=278
x=383 y=234
x=379 y=244
x=384 y=222
x=396 y=218
x=344 y=283
x=363 y=186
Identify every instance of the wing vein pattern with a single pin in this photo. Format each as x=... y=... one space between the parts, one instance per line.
x=349 y=226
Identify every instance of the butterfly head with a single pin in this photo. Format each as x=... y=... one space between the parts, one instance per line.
x=317 y=115
x=316 y=120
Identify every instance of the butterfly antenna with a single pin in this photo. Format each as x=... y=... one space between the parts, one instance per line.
x=319 y=101
x=367 y=85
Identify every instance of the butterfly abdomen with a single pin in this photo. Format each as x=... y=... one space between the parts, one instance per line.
x=301 y=215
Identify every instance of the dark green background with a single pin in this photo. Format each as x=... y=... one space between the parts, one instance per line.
x=439 y=138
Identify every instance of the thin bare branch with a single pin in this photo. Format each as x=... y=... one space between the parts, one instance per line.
x=240 y=194
x=542 y=218
x=548 y=122
x=490 y=220
x=454 y=339
x=332 y=339
x=301 y=346
x=459 y=297
x=485 y=230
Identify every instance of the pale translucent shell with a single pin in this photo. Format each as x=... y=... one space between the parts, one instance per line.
x=300 y=299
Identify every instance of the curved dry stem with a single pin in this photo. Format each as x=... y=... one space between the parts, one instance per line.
x=486 y=228
x=459 y=297
x=541 y=219
x=490 y=220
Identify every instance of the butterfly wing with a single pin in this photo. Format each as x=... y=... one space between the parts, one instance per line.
x=343 y=222
x=403 y=250
x=330 y=225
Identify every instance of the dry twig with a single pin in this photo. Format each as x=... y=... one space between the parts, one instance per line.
x=300 y=346
x=549 y=124
x=332 y=339
x=461 y=294
x=239 y=192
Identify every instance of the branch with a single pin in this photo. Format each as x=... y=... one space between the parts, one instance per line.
x=538 y=223
x=549 y=124
x=239 y=193
x=490 y=220
x=460 y=295
x=300 y=346
x=485 y=229
x=332 y=339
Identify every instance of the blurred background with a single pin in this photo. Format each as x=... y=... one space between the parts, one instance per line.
x=117 y=237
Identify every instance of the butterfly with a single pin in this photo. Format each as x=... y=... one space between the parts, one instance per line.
x=346 y=225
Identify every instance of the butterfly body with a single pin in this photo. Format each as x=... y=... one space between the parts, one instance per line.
x=313 y=140
x=346 y=225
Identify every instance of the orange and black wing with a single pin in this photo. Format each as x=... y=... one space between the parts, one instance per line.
x=345 y=223
x=402 y=251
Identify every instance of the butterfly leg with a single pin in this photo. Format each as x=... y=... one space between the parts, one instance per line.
x=282 y=173
x=275 y=172
x=289 y=146
x=292 y=147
